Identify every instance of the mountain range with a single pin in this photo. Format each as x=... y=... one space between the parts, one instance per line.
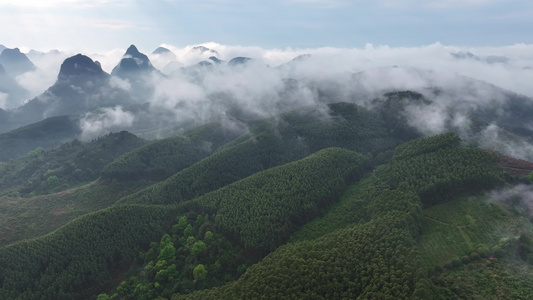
x=232 y=179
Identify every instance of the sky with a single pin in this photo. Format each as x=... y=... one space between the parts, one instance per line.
x=103 y=25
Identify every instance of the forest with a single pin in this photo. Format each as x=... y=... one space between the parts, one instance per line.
x=342 y=202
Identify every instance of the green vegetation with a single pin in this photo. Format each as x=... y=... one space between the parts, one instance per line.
x=502 y=278
x=287 y=195
x=30 y=217
x=66 y=264
x=261 y=210
x=192 y=256
x=271 y=143
x=47 y=134
x=312 y=204
x=47 y=171
x=463 y=226
x=441 y=174
x=160 y=159
x=345 y=264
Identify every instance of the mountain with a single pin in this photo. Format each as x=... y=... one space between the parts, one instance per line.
x=80 y=69
x=172 y=67
x=73 y=163
x=15 y=93
x=215 y=59
x=45 y=134
x=236 y=61
x=203 y=50
x=136 y=68
x=82 y=86
x=233 y=242
x=132 y=63
x=491 y=59
x=161 y=50
x=276 y=183
x=35 y=53
x=166 y=53
x=15 y=62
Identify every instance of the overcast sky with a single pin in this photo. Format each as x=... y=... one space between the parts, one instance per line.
x=101 y=25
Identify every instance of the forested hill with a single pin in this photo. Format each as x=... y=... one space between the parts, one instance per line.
x=45 y=134
x=274 y=142
x=326 y=202
x=162 y=158
x=45 y=171
x=49 y=274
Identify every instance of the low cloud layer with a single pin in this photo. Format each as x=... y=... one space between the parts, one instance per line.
x=45 y=74
x=520 y=196
x=104 y=121
x=195 y=87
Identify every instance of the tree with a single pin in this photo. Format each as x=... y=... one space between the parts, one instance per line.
x=199 y=272
x=208 y=236
x=198 y=248
x=167 y=251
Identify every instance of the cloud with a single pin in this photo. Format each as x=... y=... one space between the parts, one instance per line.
x=3 y=100
x=108 y=119
x=48 y=66
x=278 y=80
x=263 y=87
x=117 y=82
x=520 y=195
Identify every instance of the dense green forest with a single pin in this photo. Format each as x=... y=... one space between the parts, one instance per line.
x=329 y=202
x=43 y=171
x=274 y=142
x=162 y=158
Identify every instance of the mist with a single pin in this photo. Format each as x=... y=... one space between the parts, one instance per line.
x=99 y=123
x=194 y=87
x=519 y=196
x=48 y=65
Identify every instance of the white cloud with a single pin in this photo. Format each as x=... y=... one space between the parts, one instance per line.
x=44 y=76
x=509 y=196
x=3 y=100
x=117 y=82
x=107 y=120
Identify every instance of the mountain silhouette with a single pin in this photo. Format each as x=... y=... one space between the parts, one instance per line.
x=15 y=62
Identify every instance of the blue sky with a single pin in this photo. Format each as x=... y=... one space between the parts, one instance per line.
x=99 y=25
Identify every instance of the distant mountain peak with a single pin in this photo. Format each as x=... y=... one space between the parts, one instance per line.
x=214 y=59
x=302 y=57
x=203 y=49
x=79 y=65
x=15 y=62
x=132 y=61
x=239 y=61
x=12 y=53
x=132 y=50
x=161 y=50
